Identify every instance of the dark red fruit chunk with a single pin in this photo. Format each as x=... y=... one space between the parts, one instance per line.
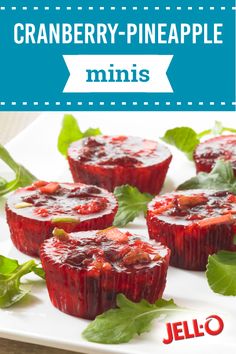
x=86 y=270
x=207 y=153
x=32 y=213
x=193 y=224
x=110 y=161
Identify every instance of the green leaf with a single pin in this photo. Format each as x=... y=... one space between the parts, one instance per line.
x=220 y=178
x=71 y=132
x=91 y=132
x=131 y=203
x=11 y=272
x=218 y=128
x=39 y=271
x=9 y=187
x=3 y=183
x=7 y=265
x=183 y=138
x=120 y=325
x=23 y=176
x=186 y=139
x=221 y=272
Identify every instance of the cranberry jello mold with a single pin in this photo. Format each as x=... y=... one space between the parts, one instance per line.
x=193 y=224
x=86 y=270
x=110 y=161
x=208 y=152
x=34 y=211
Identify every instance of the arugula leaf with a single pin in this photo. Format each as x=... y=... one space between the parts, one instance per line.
x=7 y=265
x=221 y=178
x=3 y=183
x=71 y=132
x=186 y=139
x=183 y=138
x=221 y=273
x=217 y=129
x=131 y=203
x=11 y=289
x=39 y=271
x=23 y=176
x=122 y=324
x=91 y=132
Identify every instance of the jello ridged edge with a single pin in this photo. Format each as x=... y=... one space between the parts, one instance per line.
x=75 y=292
x=25 y=239
x=149 y=179
x=190 y=245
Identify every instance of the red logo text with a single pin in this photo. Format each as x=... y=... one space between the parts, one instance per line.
x=192 y=329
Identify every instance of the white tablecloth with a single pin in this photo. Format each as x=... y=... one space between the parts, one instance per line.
x=11 y=123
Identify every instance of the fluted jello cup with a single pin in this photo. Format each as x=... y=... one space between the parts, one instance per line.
x=34 y=211
x=208 y=152
x=86 y=270
x=193 y=224
x=110 y=161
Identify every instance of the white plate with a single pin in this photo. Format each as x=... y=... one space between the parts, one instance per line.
x=35 y=320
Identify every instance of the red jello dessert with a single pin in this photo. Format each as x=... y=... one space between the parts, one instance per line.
x=193 y=224
x=86 y=270
x=222 y=147
x=34 y=211
x=110 y=161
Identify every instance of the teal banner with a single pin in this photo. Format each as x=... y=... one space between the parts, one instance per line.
x=120 y=55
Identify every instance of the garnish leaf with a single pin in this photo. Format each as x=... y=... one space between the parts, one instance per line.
x=183 y=138
x=71 y=132
x=186 y=139
x=221 y=272
x=122 y=324
x=11 y=272
x=7 y=265
x=220 y=178
x=218 y=129
x=39 y=271
x=91 y=132
x=3 y=183
x=131 y=203
x=23 y=176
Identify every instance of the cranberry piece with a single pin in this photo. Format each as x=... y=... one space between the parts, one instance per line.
x=93 y=142
x=31 y=198
x=76 y=259
x=92 y=190
x=121 y=161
